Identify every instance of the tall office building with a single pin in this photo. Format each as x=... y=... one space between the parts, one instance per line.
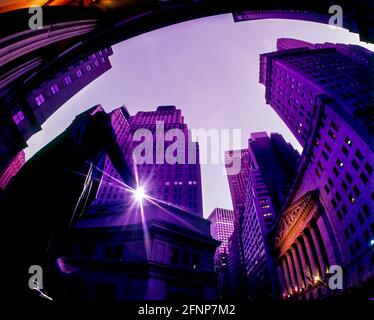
x=176 y=183
x=293 y=79
x=238 y=181
x=12 y=169
x=169 y=174
x=22 y=117
x=324 y=95
x=221 y=227
x=272 y=168
x=111 y=187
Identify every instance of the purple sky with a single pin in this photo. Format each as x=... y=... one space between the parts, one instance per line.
x=208 y=68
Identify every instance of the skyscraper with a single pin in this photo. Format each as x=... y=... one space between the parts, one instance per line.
x=238 y=188
x=22 y=117
x=272 y=167
x=221 y=227
x=177 y=183
x=324 y=95
x=294 y=78
x=172 y=176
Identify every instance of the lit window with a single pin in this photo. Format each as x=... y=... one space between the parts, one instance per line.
x=18 y=117
x=67 y=80
x=39 y=99
x=348 y=141
x=79 y=73
x=88 y=67
x=55 y=88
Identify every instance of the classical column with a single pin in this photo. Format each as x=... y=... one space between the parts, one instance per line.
x=314 y=250
x=303 y=267
x=299 y=272
x=286 y=276
x=309 y=258
x=291 y=271
x=281 y=277
x=320 y=248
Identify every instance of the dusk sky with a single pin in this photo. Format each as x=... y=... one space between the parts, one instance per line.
x=209 y=68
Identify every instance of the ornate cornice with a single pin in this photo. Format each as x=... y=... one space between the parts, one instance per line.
x=294 y=219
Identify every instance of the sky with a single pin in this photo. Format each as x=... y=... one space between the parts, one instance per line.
x=209 y=68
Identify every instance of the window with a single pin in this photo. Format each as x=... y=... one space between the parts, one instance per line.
x=346 y=234
x=356 y=190
x=348 y=177
x=359 y=155
x=326 y=187
x=339 y=215
x=345 y=150
x=18 y=117
x=360 y=218
x=355 y=164
x=351 y=198
x=79 y=73
x=67 y=80
x=344 y=186
x=363 y=178
x=334 y=126
x=339 y=163
x=55 y=89
x=344 y=209
x=337 y=196
x=348 y=141
x=174 y=256
x=365 y=208
x=336 y=172
x=368 y=168
x=186 y=259
x=39 y=99
x=88 y=67
x=330 y=182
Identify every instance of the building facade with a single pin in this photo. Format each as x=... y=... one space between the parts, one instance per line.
x=12 y=169
x=324 y=95
x=117 y=253
x=272 y=168
x=238 y=183
x=167 y=160
x=22 y=117
x=221 y=228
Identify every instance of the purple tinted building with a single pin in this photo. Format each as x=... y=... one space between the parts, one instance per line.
x=221 y=227
x=11 y=170
x=23 y=118
x=120 y=252
x=238 y=189
x=180 y=182
x=272 y=168
x=324 y=95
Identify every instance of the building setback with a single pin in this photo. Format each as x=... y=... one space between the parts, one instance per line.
x=323 y=93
